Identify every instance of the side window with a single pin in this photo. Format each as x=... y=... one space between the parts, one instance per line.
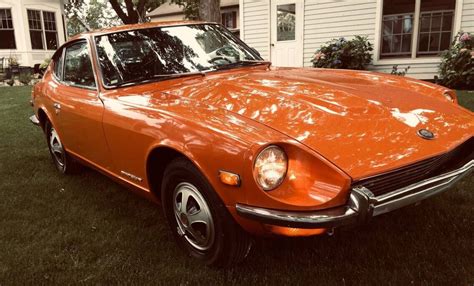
x=58 y=64
x=78 y=66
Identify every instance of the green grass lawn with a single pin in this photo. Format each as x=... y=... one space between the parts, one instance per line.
x=466 y=99
x=86 y=229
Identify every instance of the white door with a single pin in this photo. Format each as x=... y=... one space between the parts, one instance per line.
x=287 y=33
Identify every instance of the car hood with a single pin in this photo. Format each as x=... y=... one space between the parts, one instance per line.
x=363 y=122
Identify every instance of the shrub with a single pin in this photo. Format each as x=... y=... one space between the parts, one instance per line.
x=45 y=63
x=400 y=72
x=343 y=54
x=25 y=77
x=13 y=61
x=457 y=64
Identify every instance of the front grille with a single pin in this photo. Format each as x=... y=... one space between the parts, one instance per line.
x=402 y=177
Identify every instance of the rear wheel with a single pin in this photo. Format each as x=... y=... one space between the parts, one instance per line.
x=199 y=220
x=63 y=162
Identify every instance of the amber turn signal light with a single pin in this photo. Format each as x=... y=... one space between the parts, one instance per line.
x=229 y=178
x=290 y=231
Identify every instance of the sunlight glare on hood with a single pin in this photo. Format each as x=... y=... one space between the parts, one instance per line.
x=411 y=118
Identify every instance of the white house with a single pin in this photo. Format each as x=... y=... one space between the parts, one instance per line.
x=172 y=12
x=404 y=32
x=31 y=30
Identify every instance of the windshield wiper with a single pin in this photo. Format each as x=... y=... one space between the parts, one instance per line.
x=242 y=63
x=158 y=77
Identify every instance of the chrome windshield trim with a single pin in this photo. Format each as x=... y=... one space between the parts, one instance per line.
x=362 y=204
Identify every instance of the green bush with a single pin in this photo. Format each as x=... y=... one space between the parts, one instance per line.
x=25 y=77
x=343 y=54
x=45 y=63
x=457 y=64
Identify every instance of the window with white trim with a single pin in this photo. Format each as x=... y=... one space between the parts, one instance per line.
x=415 y=28
x=7 y=33
x=43 y=30
x=50 y=30
x=36 y=29
x=229 y=19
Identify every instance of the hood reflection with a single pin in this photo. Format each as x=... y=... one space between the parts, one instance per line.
x=347 y=117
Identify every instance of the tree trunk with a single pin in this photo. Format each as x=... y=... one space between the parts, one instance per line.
x=132 y=16
x=209 y=10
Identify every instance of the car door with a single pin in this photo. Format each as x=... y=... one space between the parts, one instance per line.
x=77 y=106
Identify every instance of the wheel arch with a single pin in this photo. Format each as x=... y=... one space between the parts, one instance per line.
x=158 y=159
x=42 y=117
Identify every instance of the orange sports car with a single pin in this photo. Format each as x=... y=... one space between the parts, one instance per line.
x=188 y=115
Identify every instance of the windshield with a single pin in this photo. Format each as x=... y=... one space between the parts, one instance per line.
x=139 y=55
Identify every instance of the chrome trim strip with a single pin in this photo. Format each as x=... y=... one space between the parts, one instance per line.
x=361 y=206
x=131 y=176
x=419 y=191
x=34 y=120
x=324 y=218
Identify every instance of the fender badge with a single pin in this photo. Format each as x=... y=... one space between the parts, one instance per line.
x=425 y=134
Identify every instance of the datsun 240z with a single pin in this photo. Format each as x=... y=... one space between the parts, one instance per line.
x=188 y=115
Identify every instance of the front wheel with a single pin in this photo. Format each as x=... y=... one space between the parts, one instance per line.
x=199 y=220
x=63 y=162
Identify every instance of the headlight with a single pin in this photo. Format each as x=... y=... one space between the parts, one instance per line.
x=270 y=167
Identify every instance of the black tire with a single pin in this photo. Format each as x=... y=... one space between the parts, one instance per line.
x=64 y=163
x=230 y=243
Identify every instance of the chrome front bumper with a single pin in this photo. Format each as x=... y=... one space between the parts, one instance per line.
x=362 y=204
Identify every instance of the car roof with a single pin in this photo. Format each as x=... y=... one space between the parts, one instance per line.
x=135 y=27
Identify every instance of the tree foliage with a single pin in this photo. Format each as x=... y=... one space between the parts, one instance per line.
x=206 y=10
x=190 y=8
x=93 y=14
x=134 y=11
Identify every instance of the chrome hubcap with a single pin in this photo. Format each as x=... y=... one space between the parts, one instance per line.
x=56 y=147
x=193 y=216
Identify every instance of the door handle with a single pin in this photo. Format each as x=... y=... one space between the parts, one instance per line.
x=57 y=107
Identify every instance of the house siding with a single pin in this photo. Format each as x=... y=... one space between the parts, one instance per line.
x=325 y=20
x=255 y=25
x=467 y=21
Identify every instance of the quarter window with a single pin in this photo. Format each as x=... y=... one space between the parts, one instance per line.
x=7 y=33
x=78 y=66
x=58 y=64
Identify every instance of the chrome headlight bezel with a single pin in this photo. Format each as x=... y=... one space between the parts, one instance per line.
x=262 y=167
